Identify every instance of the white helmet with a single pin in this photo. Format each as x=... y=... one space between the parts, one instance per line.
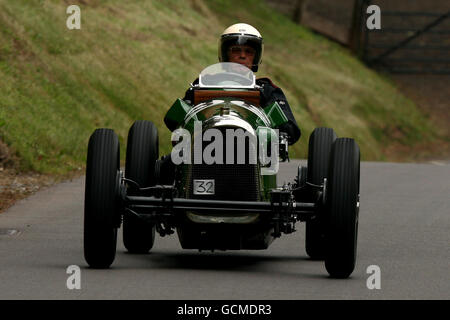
x=241 y=34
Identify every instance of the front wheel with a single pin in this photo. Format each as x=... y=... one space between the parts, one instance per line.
x=342 y=208
x=319 y=150
x=142 y=153
x=100 y=205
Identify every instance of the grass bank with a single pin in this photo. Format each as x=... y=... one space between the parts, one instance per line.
x=132 y=59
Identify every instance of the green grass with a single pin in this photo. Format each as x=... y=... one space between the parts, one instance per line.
x=132 y=59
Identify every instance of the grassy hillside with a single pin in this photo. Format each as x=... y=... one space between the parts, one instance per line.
x=132 y=59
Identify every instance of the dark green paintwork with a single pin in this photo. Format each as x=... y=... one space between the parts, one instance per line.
x=275 y=114
x=177 y=113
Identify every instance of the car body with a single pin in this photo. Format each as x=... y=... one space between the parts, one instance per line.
x=224 y=193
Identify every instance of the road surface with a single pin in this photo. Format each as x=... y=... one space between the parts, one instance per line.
x=403 y=229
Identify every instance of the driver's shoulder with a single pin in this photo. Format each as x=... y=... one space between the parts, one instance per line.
x=266 y=82
x=195 y=81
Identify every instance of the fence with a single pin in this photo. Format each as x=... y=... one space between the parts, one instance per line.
x=414 y=35
x=409 y=41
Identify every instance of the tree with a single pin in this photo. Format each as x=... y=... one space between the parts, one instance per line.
x=299 y=9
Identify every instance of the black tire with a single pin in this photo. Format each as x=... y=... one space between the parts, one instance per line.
x=342 y=207
x=319 y=151
x=101 y=201
x=142 y=153
x=302 y=174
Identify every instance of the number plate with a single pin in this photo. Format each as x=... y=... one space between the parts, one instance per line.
x=203 y=187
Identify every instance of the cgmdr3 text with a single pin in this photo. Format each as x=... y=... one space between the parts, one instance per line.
x=248 y=309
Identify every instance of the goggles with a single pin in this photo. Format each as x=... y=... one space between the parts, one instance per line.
x=238 y=50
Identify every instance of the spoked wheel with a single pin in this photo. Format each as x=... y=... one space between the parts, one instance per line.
x=142 y=153
x=319 y=150
x=101 y=209
x=342 y=206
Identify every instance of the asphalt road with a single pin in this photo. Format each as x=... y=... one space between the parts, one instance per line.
x=403 y=229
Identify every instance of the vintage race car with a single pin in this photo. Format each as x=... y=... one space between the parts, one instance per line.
x=219 y=191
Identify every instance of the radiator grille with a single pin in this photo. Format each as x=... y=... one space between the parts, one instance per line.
x=238 y=182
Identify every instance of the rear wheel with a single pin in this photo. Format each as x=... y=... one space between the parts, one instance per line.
x=100 y=206
x=342 y=208
x=302 y=174
x=142 y=153
x=319 y=150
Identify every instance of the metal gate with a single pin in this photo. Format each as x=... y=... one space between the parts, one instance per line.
x=408 y=42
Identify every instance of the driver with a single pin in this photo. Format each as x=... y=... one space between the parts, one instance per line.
x=241 y=43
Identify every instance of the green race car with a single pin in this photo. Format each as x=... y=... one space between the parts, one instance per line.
x=220 y=191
